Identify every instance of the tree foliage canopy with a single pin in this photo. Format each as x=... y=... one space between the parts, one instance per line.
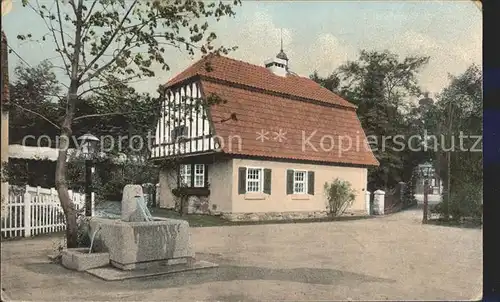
x=383 y=87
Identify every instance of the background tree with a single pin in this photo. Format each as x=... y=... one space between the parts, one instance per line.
x=35 y=96
x=383 y=87
x=459 y=109
x=101 y=41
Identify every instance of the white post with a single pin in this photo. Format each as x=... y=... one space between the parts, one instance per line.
x=378 y=202
x=93 y=202
x=27 y=214
x=54 y=200
x=367 y=202
x=157 y=195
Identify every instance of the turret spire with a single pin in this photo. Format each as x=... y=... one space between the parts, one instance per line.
x=282 y=55
x=281 y=36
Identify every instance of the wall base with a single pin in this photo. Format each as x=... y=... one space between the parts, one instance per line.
x=273 y=216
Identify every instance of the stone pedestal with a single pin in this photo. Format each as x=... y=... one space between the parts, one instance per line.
x=378 y=202
x=138 y=245
x=81 y=260
x=367 y=202
x=130 y=210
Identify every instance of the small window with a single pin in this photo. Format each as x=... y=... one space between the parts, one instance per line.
x=254 y=180
x=185 y=175
x=299 y=182
x=199 y=175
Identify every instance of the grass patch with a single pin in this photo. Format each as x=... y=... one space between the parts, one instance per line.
x=196 y=220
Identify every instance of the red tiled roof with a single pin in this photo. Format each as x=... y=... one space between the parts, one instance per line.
x=300 y=120
x=263 y=101
x=242 y=73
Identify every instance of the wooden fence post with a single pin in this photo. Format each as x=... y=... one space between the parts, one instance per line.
x=54 y=200
x=27 y=213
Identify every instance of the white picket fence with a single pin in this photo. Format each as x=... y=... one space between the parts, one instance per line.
x=37 y=211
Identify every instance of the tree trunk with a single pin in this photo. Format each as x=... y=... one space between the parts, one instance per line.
x=62 y=190
x=61 y=168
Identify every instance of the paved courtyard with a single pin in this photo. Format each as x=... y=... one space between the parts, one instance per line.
x=387 y=258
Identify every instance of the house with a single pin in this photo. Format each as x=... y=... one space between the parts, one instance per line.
x=255 y=142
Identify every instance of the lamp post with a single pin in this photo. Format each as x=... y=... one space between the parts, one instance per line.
x=89 y=144
x=426 y=170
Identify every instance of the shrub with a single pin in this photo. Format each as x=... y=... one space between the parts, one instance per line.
x=465 y=202
x=339 y=195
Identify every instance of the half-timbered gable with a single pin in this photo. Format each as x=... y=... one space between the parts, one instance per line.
x=184 y=125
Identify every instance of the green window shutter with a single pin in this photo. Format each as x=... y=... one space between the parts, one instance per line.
x=242 y=180
x=205 y=169
x=289 y=182
x=310 y=182
x=267 y=181
x=179 y=167
x=192 y=176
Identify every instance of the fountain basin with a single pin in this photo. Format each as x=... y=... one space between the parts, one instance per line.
x=142 y=245
x=79 y=259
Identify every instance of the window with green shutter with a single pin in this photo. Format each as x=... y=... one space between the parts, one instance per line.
x=299 y=182
x=254 y=180
x=289 y=181
x=310 y=182
x=267 y=181
x=242 y=180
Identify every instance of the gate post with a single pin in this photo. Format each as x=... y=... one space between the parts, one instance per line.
x=367 y=202
x=379 y=202
x=27 y=214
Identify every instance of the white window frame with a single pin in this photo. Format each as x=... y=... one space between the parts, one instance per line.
x=199 y=174
x=259 y=181
x=304 y=181
x=185 y=178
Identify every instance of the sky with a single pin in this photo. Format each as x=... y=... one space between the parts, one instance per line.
x=317 y=35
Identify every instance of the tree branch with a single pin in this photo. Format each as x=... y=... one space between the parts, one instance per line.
x=61 y=29
x=105 y=47
x=90 y=12
x=105 y=86
x=52 y=30
x=108 y=114
x=38 y=114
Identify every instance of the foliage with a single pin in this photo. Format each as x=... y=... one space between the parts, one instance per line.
x=83 y=231
x=408 y=197
x=35 y=89
x=459 y=110
x=33 y=172
x=339 y=195
x=465 y=202
x=331 y=82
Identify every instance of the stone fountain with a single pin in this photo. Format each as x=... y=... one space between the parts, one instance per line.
x=138 y=244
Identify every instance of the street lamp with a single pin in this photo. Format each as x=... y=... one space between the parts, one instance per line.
x=88 y=147
x=426 y=171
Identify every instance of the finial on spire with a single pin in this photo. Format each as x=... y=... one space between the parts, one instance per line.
x=281 y=37
x=281 y=54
